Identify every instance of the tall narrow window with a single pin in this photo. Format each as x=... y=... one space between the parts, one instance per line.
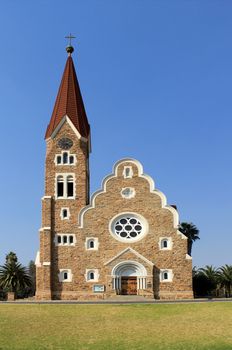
x=69 y=186
x=91 y=276
x=58 y=159
x=59 y=239
x=165 y=276
x=60 y=186
x=71 y=160
x=65 y=158
x=91 y=244
x=65 y=213
x=70 y=239
x=65 y=275
x=65 y=241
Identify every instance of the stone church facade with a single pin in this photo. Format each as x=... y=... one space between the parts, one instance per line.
x=122 y=241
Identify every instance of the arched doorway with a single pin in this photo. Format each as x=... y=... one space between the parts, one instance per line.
x=129 y=277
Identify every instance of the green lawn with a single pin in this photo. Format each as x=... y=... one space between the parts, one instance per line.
x=104 y=327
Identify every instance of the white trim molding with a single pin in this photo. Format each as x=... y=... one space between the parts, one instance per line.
x=46 y=263
x=62 y=213
x=37 y=259
x=166 y=275
x=62 y=161
x=140 y=174
x=89 y=273
x=129 y=249
x=91 y=243
x=65 y=179
x=65 y=239
x=61 y=275
x=168 y=241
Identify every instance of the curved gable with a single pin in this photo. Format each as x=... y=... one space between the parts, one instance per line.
x=119 y=174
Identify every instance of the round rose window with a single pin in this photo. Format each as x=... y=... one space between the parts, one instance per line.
x=129 y=227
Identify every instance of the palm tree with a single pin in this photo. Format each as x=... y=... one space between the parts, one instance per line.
x=191 y=232
x=211 y=275
x=13 y=276
x=225 y=277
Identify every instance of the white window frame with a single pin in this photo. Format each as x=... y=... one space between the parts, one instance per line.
x=169 y=242
x=65 y=186
x=61 y=275
x=69 y=155
x=170 y=275
x=96 y=275
x=61 y=213
x=65 y=244
x=129 y=170
x=87 y=242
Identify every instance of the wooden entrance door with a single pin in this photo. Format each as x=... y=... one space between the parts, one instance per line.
x=129 y=285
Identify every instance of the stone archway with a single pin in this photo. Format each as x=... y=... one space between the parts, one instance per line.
x=129 y=277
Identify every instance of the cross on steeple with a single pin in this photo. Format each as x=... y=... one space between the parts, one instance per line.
x=70 y=37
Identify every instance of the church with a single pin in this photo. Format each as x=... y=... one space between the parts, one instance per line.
x=123 y=240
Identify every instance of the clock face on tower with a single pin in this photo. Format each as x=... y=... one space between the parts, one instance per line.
x=65 y=143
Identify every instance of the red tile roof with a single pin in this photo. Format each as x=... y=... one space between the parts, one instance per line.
x=69 y=102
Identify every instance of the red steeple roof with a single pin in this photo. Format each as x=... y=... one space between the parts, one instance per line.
x=69 y=102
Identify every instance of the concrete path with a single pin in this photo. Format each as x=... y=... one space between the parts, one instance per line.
x=116 y=300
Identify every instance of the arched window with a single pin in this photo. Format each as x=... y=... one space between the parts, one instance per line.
x=165 y=243
x=65 y=275
x=60 y=186
x=91 y=244
x=70 y=186
x=71 y=160
x=65 y=158
x=65 y=240
x=165 y=275
x=70 y=239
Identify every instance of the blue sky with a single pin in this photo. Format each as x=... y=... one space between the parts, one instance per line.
x=156 y=81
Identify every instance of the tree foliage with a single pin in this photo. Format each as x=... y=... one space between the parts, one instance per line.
x=13 y=276
x=191 y=232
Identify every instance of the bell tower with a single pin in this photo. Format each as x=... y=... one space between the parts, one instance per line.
x=66 y=172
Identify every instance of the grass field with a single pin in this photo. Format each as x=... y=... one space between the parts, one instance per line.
x=103 y=327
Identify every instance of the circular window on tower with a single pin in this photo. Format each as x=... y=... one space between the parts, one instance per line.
x=128 y=227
